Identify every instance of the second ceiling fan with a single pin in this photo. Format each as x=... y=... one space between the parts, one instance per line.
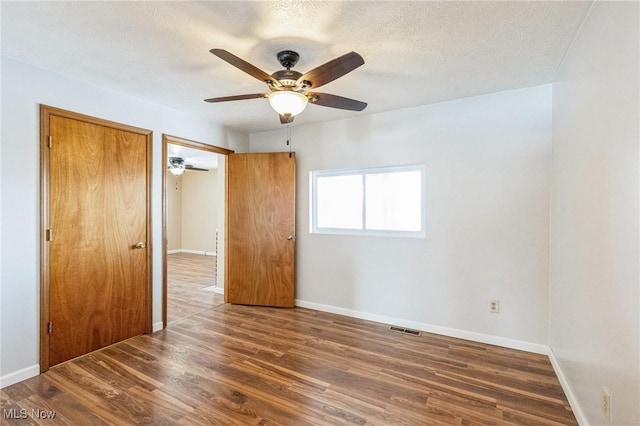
x=289 y=90
x=177 y=166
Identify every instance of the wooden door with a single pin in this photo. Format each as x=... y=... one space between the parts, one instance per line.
x=98 y=243
x=260 y=256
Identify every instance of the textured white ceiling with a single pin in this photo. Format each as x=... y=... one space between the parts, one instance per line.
x=416 y=52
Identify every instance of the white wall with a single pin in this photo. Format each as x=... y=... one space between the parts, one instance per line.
x=487 y=162
x=222 y=208
x=200 y=201
x=174 y=212
x=594 y=285
x=23 y=88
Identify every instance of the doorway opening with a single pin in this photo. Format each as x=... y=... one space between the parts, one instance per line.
x=194 y=186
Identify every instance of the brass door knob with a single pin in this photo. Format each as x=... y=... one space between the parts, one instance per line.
x=141 y=245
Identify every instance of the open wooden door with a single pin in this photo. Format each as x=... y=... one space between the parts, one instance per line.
x=260 y=255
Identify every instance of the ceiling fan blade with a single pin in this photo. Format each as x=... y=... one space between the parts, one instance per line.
x=334 y=101
x=286 y=120
x=333 y=69
x=237 y=97
x=190 y=167
x=242 y=65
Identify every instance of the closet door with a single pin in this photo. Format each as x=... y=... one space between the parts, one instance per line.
x=97 y=237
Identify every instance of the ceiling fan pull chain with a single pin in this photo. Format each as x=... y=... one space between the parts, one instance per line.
x=289 y=138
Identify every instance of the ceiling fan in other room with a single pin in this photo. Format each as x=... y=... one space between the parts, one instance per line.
x=289 y=90
x=177 y=166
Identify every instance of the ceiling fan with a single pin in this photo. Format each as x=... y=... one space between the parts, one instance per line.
x=177 y=166
x=289 y=90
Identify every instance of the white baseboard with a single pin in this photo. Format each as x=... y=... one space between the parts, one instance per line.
x=203 y=252
x=20 y=375
x=429 y=328
x=219 y=290
x=157 y=326
x=573 y=401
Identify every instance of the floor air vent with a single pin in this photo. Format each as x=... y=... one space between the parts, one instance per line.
x=404 y=330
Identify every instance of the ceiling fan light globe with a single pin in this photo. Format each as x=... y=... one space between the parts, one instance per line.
x=176 y=170
x=288 y=102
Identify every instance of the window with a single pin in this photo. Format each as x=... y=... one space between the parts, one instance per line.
x=383 y=201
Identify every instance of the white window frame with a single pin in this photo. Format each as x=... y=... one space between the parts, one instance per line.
x=313 y=216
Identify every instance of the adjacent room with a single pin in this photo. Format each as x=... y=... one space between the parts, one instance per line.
x=194 y=199
x=439 y=224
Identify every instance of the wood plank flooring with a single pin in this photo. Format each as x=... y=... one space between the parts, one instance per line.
x=188 y=275
x=244 y=365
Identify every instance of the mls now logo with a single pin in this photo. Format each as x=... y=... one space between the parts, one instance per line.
x=23 y=413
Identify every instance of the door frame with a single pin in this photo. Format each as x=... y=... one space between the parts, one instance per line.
x=175 y=140
x=46 y=112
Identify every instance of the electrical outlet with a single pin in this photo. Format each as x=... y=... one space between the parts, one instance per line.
x=606 y=404
x=494 y=306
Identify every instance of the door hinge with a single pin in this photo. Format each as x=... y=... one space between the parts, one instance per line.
x=49 y=327
x=48 y=234
x=50 y=141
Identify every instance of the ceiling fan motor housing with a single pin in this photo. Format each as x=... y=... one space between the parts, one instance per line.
x=288 y=78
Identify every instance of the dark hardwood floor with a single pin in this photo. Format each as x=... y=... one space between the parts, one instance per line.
x=234 y=364
x=189 y=278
